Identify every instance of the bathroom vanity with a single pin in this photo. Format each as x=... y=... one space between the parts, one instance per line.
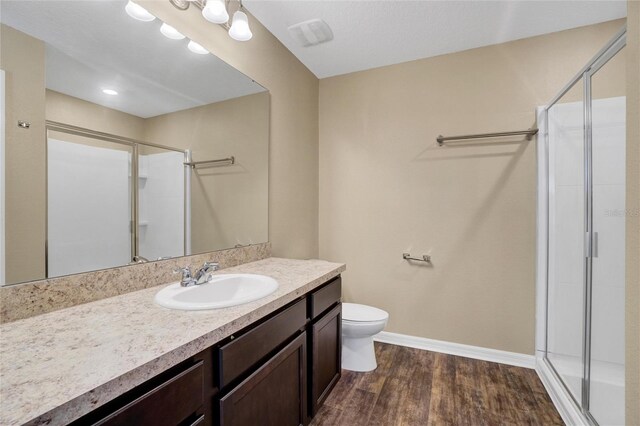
x=275 y=359
x=278 y=369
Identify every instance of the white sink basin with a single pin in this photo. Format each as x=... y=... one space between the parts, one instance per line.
x=222 y=291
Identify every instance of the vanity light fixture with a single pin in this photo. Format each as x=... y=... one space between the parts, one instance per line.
x=240 y=27
x=169 y=32
x=217 y=12
x=214 y=11
x=138 y=12
x=196 y=48
x=110 y=92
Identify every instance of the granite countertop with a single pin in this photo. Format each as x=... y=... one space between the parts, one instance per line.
x=61 y=365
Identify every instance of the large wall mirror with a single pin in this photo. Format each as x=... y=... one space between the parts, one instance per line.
x=121 y=144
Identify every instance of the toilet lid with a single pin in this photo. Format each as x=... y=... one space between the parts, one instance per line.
x=355 y=312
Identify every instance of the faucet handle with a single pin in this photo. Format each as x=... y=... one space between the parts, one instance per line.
x=187 y=279
x=185 y=271
x=210 y=266
x=203 y=274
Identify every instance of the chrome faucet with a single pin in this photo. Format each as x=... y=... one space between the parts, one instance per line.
x=202 y=275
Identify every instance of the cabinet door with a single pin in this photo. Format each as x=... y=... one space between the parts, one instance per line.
x=275 y=395
x=326 y=356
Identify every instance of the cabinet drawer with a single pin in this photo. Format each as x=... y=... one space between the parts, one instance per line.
x=239 y=355
x=325 y=297
x=274 y=395
x=167 y=404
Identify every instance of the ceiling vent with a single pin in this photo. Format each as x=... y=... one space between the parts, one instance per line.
x=312 y=32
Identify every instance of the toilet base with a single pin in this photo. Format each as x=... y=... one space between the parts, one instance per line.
x=358 y=354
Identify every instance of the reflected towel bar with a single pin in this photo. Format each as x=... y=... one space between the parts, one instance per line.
x=529 y=133
x=220 y=162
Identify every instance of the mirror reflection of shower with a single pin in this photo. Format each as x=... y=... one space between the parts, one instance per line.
x=162 y=202
x=110 y=203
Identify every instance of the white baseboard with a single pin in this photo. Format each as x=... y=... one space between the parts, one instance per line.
x=568 y=410
x=467 y=351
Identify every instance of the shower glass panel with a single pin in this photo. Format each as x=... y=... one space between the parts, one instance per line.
x=566 y=268
x=586 y=236
x=606 y=377
x=161 y=202
x=88 y=204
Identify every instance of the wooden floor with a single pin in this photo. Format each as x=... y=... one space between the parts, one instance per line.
x=415 y=387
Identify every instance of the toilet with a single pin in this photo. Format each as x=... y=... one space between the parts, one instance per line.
x=359 y=324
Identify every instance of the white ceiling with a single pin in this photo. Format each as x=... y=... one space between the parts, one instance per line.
x=369 y=34
x=91 y=45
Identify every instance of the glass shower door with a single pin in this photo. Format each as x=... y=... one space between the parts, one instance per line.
x=606 y=327
x=586 y=237
x=161 y=202
x=88 y=204
x=566 y=239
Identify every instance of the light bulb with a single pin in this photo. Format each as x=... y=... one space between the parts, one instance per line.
x=240 y=27
x=196 y=48
x=170 y=32
x=138 y=12
x=216 y=12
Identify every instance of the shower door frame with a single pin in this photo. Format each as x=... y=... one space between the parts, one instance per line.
x=571 y=410
x=135 y=208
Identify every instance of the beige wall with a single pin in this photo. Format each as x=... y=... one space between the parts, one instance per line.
x=77 y=112
x=387 y=188
x=632 y=309
x=293 y=150
x=229 y=204
x=22 y=60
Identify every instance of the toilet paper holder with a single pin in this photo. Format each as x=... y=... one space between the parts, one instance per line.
x=425 y=257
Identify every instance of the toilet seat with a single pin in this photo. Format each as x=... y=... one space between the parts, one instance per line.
x=356 y=313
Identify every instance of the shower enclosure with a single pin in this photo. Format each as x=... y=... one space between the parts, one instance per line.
x=580 y=339
x=112 y=200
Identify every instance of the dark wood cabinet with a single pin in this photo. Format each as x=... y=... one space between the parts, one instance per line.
x=167 y=405
x=323 y=298
x=276 y=372
x=326 y=356
x=275 y=394
x=249 y=347
x=172 y=398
